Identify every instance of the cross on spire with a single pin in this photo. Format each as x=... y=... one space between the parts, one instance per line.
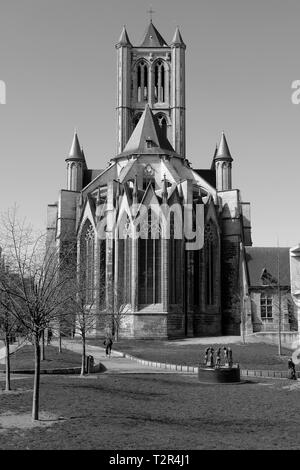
x=151 y=11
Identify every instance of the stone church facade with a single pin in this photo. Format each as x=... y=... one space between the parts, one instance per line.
x=182 y=284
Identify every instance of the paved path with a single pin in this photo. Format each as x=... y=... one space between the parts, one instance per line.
x=116 y=363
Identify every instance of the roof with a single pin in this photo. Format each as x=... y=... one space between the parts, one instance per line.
x=263 y=261
x=223 y=152
x=177 y=39
x=124 y=39
x=153 y=38
x=147 y=137
x=75 y=150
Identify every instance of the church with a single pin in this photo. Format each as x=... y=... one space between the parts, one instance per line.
x=182 y=278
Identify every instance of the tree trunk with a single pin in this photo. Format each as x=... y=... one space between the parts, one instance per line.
x=59 y=343
x=83 y=354
x=36 y=387
x=7 y=364
x=43 y=346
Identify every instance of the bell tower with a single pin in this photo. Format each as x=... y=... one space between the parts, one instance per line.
x=152 y=73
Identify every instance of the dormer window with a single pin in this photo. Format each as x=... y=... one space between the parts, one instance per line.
x=149 y=143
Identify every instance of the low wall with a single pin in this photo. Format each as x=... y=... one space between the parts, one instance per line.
x=289 y=339
x=63 y=371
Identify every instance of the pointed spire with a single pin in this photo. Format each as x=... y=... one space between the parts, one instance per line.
x=147 y=137
x=177 y=39
x=153 y=38
x=124 y=39
x=223 y=152
x=75 y=150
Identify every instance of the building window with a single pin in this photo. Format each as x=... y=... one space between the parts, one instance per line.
x=142 y=81
x=162 y=121
x=211 y=259
x=87 y=261
x=159 y=82
x=175 y=264
x=266 y=307
x=150 y=262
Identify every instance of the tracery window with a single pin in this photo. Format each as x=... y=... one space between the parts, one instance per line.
x=150 y=261
x=211 y=259
x=159 y=82
x=175 y=264
x=162 y=121
x=87 y=262
x=142 y=81
x=125 y=263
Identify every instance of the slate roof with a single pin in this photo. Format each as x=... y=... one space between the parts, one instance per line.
x=124 y=39
x=177 y=39
x=75 y=150
x=223 y=152
x=266 y=258
x=153 y=38
x=147 y=129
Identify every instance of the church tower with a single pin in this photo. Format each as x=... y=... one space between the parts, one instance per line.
x=152 y=73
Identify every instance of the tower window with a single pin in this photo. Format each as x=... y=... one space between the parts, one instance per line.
x=162 y=121
x=159 y=82
x=142 y=81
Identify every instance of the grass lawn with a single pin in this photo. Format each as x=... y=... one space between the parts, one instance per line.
x=156 y=411
x=23 y=358
x=250 y=356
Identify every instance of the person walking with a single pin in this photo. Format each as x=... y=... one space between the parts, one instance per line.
x=49 y=336
x=292 y=369
x=108 y=346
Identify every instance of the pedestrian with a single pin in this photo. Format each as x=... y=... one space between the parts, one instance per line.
x=206 y=356
x=230 y=361
x=49 y=336
x=218 y=358
x=292 y=369
x=108 y=342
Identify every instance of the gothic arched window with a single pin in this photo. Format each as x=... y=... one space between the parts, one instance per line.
x=149 y=257
x=87 y=261
x=123 y=292
x=162 y=121
x=142 y=81
x=175 y=264
x=159 y=81
x=211 y=262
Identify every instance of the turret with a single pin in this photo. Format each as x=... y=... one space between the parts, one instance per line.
x=178 y=92
x=223 y=160
x=76 y=164
x=123 y=47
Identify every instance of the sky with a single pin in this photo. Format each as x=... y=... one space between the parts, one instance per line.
x=58 y=61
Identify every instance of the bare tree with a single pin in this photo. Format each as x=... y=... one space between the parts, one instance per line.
x=36 y=286
x=81 y=312
x=8 y=325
